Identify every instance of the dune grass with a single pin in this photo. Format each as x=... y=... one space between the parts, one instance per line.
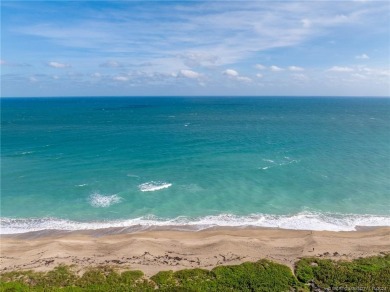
x=311 y=274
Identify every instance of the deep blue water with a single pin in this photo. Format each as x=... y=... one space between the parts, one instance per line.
x=306 y=163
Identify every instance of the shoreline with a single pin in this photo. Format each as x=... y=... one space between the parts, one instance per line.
x=152 y=251
x=139 y=229
x=305 y=220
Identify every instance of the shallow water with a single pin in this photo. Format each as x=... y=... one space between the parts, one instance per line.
x=300 y=163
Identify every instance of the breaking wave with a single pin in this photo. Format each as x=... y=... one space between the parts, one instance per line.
x=97 y=200
x=153 y=186
x=300 y=221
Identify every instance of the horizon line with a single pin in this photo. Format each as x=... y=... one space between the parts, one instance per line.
x=200 y=96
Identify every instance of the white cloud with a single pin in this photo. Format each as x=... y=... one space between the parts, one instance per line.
x=143 y=78
x=190 y=74
x=243 y=79
x=360 y=76
x=260 y=67
x=58 y=65
x=230 y=72
x=13 y=64
x=184 y=30
x=378 y=72
x=233 y=74
x=384 y=73
x=340 y=69
x=56 y=77
x=295 y=68
x=240 y=35
x=111 y=64
x=121 y=78
x=306 y=23
x=300 y=77
x=194 y=59
x=276 y=68
x=362 y=57
x=96 y=75
x=373 y=74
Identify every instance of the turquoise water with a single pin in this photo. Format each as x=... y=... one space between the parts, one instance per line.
x=301 y=163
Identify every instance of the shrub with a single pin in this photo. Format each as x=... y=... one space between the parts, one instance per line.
x=260 y=276
x=365 y=273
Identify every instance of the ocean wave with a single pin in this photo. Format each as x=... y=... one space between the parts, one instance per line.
x=300 y=221
x=153 y=186
x=285 y=161
x=21 y=153
x=132 y=175
x=100 y=201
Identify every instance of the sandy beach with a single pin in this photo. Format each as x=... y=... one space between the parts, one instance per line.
x=153 y=251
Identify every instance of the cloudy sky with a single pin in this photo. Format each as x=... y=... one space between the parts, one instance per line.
x=90 y=48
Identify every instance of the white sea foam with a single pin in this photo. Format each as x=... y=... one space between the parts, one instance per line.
x=81 y=185
x=300 y=221
x=132 y=175
x=97 y=200
x=287 y=160
x=153 y=186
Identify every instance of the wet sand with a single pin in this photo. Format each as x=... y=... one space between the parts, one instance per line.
x=157 y=250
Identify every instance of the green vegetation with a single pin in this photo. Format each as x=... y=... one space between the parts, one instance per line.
x=366 y=274
x=63 y=278
x=260 y=276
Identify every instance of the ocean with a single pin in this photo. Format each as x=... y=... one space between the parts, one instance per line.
x=192 y=163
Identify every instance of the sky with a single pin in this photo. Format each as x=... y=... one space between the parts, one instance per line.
x=201 y=48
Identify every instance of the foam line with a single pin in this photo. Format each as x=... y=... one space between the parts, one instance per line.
x=153 y=186
x=97 y=200
x=300 y=221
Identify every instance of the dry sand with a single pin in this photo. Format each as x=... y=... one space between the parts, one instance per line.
x=153 y=251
